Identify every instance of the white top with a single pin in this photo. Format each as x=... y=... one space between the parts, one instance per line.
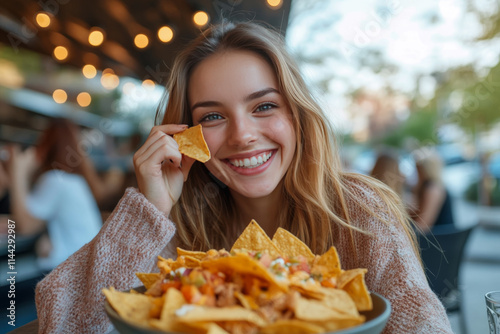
x=66 y=203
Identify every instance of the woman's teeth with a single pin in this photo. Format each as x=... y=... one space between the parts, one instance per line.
x=252 y=162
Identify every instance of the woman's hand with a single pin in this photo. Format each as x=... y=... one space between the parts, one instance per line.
x=22 y=164
x=160 y=168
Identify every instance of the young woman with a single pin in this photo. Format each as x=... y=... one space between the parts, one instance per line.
x=433 y=202
x=61 y=200
x=274 y=160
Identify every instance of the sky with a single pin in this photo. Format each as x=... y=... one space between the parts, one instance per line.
x=416 y=38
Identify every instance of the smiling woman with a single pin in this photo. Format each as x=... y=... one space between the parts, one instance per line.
x=274 y=159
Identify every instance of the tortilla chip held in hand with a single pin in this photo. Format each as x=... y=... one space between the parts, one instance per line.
x=192 y=143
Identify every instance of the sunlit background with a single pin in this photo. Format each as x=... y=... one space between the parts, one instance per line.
x=405 y=75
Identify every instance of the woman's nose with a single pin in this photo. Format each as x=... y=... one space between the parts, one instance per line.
x=242 y=132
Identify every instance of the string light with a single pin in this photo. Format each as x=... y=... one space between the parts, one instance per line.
x=200 y=18
x=274 y=4
x=165 y=34
x=96 y=37
x=60 y=53
x=89 y=71
x=110 y=81
x=59 y=96
x=141 y=41
x=148 y=84
x=84 y=99
x=42 y=19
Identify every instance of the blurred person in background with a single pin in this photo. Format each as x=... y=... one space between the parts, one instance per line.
x=432 y=202
x=386 y=169
x=63 y=199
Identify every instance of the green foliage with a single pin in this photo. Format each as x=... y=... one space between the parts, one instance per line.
x=420 y=125
x=480 y=103
x=26 y=61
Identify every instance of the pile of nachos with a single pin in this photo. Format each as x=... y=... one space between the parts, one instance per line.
x=261 y=285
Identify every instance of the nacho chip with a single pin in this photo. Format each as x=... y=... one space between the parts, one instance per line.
x=197 y=255
x=133 y=307
x=173 y=301
x=340 y=301
x=341 y=323
x=192 y=143
x=330 y=260
x=254 y=238
x=290 y=245
x=232 y=313
x=247 y=302
x=292 y=327
x=315 y=310
x=244 y=265
x=148 y=279
x=353 y=282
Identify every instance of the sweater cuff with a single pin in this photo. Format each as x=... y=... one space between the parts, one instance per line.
x=135 y=214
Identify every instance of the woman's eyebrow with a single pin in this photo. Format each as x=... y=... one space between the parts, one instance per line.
x=206 y=104
x=261 y=93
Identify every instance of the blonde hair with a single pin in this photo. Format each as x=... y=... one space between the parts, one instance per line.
x=315 y=190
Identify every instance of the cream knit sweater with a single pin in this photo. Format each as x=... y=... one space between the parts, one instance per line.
x=69 y=299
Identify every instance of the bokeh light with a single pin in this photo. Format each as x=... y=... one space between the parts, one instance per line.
x=148 y=84
x=274 y=3
x=42 y=19
x=60 y=53
x=96 y=37
x=89 y=71
x=84 y=99
x=165 y=34
x=141 y=41
x=59 y=96
x=110 y=81
x=200 y=18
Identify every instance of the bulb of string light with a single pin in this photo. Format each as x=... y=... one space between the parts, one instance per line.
x=200 y=18
x=141 y=41
x=42 y=19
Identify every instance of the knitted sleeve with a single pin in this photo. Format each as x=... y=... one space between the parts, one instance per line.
x=69 y=299
x=394 y=271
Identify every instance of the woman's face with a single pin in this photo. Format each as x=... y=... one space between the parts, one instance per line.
x=246 y=123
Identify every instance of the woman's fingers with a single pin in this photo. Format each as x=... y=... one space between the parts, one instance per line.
x=163 y=142
x=159 y=131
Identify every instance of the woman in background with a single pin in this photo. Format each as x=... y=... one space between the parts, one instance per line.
x=61 y=201
x=386 y=169
x=433 y=204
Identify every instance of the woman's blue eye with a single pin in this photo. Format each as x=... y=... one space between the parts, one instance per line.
x=210 y=117
x=265 y=106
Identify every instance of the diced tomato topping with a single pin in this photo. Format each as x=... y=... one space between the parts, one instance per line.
x=191 y=294
x=329 y=283
x=170 y=284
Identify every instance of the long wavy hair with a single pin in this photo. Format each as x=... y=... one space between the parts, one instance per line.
x=315 y=193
